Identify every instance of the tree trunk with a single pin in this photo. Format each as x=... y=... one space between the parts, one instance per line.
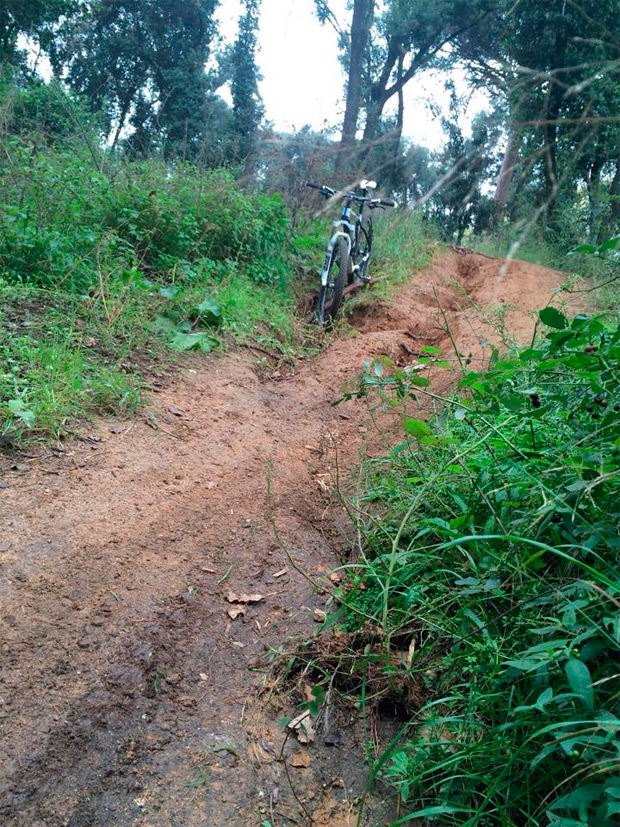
x=612 y=225
x=554 y=102
x=614 y=191
x=502 y=190
x=360 y=33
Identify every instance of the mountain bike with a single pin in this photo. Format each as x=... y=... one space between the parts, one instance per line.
x=349 y=248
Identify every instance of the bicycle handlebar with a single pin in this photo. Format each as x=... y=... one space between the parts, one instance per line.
x=328 y=192
x=387 y=202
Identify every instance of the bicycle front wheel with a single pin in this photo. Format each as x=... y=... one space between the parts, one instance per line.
x=330 y=295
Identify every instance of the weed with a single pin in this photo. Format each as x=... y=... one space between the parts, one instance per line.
x=486 y=593
x=106 y=263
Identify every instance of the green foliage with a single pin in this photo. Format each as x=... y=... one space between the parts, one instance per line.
x=49 y=378
x=491 y=554
x=101 y=259
x=400 y=246
x=28 y=17
x=44 y=113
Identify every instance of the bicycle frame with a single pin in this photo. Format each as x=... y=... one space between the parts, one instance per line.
x=350 y=232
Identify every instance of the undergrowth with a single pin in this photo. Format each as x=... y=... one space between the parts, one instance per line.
x=108 y=265
x=484 y=599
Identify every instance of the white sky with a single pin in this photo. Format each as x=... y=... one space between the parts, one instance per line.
x=303 y=82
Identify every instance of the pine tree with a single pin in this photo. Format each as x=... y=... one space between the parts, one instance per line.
x=247 y=105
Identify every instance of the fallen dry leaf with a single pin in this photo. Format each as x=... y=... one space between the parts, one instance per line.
x=335 y=577
x=176 y=411
x=303 y=728
x=319 y=616
x=244 y=598
x=203 y=677
x=260 y=754
x=300 y=759
x=238 y=611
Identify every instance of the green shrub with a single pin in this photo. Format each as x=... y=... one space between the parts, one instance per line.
x=140 y=256
x=491 y=556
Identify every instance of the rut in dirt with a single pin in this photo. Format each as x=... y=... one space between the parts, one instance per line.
x=130 y=694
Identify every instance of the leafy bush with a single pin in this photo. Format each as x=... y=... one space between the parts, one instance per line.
x=491 y=563
x=135 y=253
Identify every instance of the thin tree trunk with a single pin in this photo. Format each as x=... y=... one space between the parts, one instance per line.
x=611 y=226
x=360 y=33
x=554 y=101
x=502 y=190
x=123 y=116
x=614 y=192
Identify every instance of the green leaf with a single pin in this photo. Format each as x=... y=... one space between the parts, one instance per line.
x=417 y=428
x=19 y=409
x=544 y=698
x=523 y=665
x=209 y=311
x=580 y=681
x=553 y=318
x=584 y=248
x=170 y=292
x=188 y=341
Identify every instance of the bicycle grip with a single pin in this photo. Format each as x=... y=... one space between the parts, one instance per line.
x=388 y=202
x=313 y=186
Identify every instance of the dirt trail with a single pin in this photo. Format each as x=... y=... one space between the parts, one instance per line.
x=128 y=695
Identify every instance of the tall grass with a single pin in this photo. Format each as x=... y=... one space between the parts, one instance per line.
x=106 y=263
x=486 y=592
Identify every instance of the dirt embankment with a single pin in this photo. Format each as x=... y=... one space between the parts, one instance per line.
x=128 y=694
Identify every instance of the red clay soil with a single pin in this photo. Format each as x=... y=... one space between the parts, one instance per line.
x=128 y=695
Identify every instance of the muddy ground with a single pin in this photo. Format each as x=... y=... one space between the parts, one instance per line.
x=129 y=695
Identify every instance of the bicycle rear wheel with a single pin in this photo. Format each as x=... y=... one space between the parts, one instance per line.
x=330 y=295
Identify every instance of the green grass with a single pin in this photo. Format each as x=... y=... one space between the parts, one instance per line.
x=402 y=244
x=108 y=266
x=484 y=602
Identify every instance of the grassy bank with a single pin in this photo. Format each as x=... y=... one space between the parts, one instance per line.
x=483 y=606
x=110 y=267
x=107 y=264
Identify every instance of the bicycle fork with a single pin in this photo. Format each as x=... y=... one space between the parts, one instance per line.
x=329 y=255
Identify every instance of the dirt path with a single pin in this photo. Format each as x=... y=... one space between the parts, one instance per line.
x=128 y=694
